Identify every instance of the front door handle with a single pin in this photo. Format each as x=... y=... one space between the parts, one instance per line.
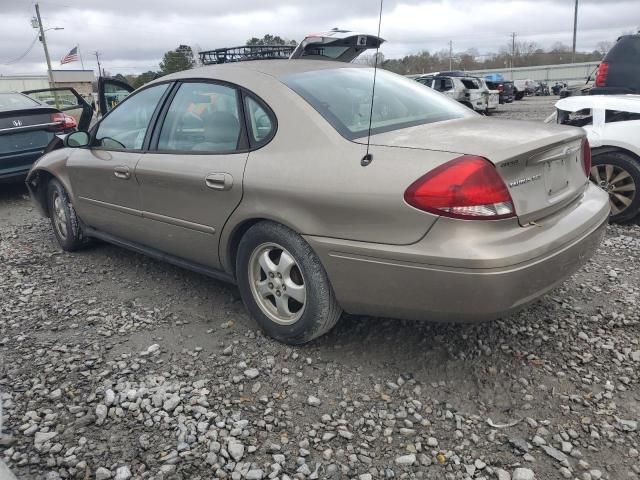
x=122 y=172
x=219 y=181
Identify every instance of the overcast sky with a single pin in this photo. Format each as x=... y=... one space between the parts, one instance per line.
x=132 y=35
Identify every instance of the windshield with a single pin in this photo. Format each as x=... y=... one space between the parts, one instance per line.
x=343 y=97
x=11 y=101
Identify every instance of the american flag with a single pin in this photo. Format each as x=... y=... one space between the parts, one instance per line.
x=72 y=56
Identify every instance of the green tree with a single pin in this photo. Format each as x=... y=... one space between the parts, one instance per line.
x=177 y=60
x=269 y=39
x=144 y=78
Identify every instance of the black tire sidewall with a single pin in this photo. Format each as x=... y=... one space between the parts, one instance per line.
x=74 y=238
x=631 y=166
x=320 y=300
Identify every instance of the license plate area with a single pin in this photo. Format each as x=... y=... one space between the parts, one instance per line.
x=556 y=176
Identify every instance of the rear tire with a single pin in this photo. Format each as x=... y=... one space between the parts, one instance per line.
x=283 y=284
x=618 y=174
x=65 y=222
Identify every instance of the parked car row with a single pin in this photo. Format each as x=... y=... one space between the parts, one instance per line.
x=473 y=92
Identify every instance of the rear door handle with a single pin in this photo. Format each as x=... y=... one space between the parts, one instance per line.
x=219 y=181
x=122 y=172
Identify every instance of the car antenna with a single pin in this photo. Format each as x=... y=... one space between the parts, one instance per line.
x=368 y=158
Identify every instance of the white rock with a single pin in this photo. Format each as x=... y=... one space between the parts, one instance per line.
x=103 y=473
x=523 y=474
x=406 y=459
x=101 y=413
x=314 y=401
x=109 y=397
x=251 y=373
x=635 y=356
x=502 y=474
x=42 y=437
x=123 y=473
x=432 y=442
x=254 y=475
x=171 y=403
x=236 y=450
x=56 y=394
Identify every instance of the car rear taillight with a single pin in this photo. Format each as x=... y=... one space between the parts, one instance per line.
x=586 y=157
x=466 y=187
x=63 y=121
x=601 y=74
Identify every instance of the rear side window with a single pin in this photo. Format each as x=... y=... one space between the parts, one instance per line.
x=443 y=84
x=260 y=122
x=203 y=117
x=469 y=83
x=343 y=97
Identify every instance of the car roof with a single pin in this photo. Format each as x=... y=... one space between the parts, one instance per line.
x=274 y=68
x=626 y=103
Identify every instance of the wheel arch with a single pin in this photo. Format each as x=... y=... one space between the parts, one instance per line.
x=37 y=185
x=231 y=240
x=615 y=148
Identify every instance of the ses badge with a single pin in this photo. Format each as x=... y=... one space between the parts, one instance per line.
x=361 y=41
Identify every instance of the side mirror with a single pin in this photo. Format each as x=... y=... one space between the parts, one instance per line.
x=77 y=139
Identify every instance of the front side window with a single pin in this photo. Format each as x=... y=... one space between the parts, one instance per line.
x=260 y=121
x=343 y=97
x=203 y=117
x=126 y=126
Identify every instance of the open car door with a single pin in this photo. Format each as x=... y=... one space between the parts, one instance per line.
x=68 y=101
x=111 y=92
x=340 y=45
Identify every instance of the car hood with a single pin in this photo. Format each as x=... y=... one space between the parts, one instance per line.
x=493 y=139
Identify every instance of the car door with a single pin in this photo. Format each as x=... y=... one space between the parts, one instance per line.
x=68 y=101
x=111 y=92
x=102 y=175
x=192 y=182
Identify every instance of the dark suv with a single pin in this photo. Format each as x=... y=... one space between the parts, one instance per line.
x=619 y=72
x=504 y=87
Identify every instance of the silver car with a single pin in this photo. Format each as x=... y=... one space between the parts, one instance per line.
x=263 y=174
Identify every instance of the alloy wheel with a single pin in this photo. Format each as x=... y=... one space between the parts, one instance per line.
x=277 y=284
x=617 y=182
x=59 y=216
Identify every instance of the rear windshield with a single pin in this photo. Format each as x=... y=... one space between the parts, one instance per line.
x=12 y=101
x=343 y=97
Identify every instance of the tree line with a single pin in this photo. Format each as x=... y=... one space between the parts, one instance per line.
x=518 y=54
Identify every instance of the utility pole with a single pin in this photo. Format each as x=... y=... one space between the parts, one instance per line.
x=575 y=28
x=513 y=51
x=450 y=55
x=44 y=44
x=97 y=54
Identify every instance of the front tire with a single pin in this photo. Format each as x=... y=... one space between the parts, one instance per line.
x=618 y=174
x=283 y=284
x=65 y=222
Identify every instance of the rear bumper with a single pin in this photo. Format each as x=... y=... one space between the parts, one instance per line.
x=472 y=276
x=612 y=91
x=20 y=165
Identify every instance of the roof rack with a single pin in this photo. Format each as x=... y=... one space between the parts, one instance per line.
x=246 y=53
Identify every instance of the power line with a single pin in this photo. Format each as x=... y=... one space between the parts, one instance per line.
x=35 y=39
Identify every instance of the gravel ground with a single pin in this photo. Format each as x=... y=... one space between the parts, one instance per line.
x=117 y=366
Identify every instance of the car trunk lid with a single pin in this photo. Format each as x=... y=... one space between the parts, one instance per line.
x=540 y=164
x=340 y=45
